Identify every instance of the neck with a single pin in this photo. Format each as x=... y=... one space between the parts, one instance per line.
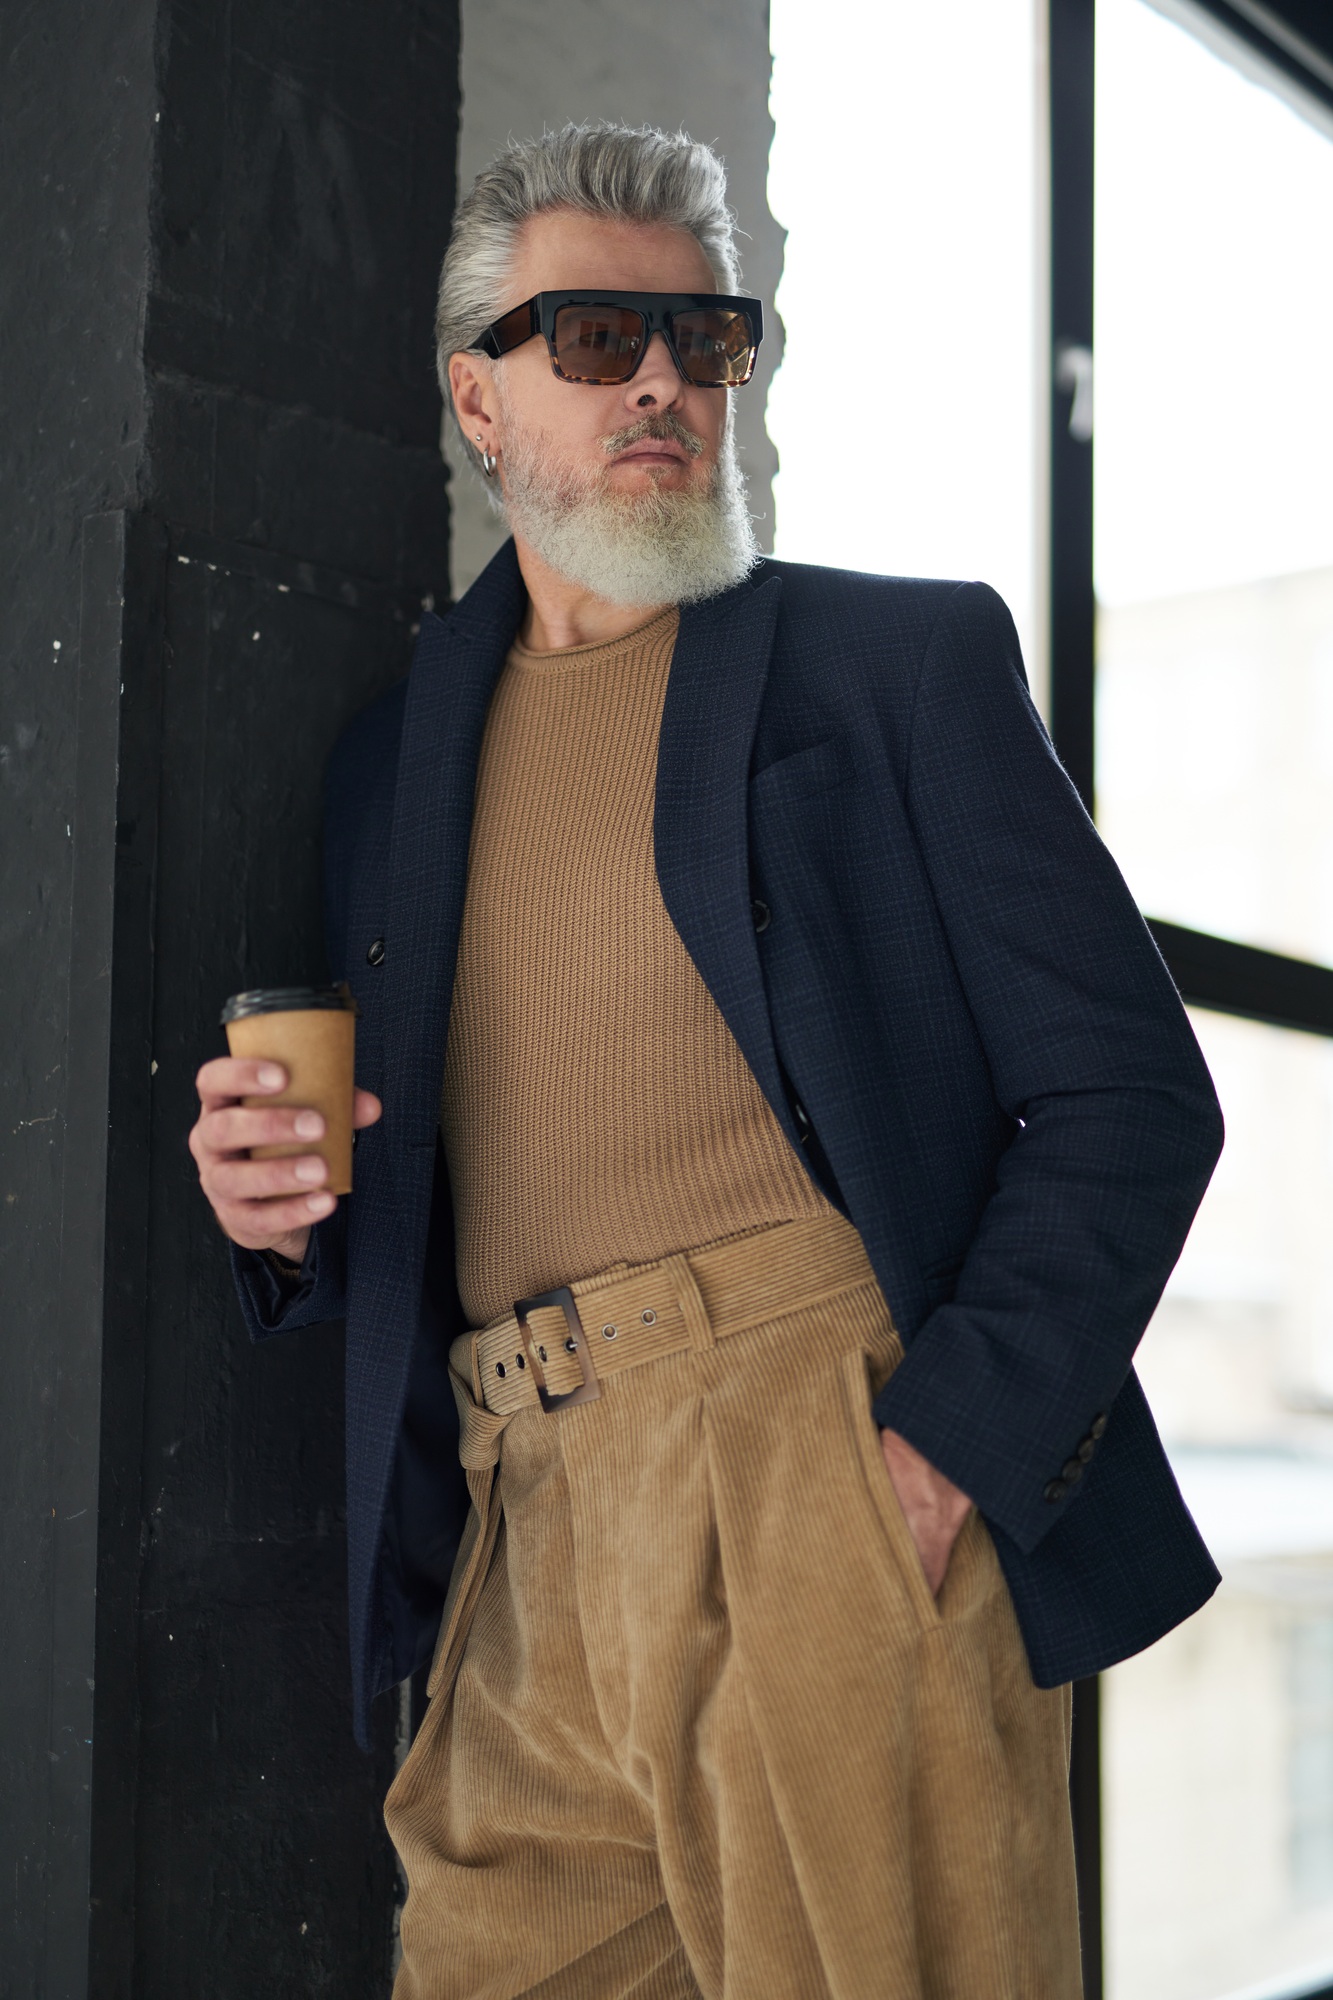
x=561 y=613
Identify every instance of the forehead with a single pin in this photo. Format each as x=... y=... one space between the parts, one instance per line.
x=564 y=248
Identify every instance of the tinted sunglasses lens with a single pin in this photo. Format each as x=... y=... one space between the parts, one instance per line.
x=597 y=343
x=715 y=346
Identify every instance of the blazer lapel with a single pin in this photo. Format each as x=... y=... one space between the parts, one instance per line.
x=457 y=661
x=700 y=831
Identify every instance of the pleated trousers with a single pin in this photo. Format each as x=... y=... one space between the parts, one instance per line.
x=698 y=1726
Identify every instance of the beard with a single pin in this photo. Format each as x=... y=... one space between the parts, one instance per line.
x=662 y=546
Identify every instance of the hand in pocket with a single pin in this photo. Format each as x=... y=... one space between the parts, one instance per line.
x=934 y=1508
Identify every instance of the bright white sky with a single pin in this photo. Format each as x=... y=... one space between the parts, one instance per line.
x=902 y=169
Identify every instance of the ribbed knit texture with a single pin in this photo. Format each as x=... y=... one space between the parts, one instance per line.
x=596 y=1108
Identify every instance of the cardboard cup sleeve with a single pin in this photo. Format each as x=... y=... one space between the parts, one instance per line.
x=317 y=1047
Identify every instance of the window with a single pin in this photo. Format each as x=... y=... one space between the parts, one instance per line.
x=1218 y=1742
x=1214 y=505
x=1213 y=559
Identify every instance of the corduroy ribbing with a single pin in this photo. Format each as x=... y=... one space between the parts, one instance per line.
x=596 y=1108
x=692 y=1678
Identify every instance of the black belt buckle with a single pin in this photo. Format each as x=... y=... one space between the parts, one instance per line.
x=576 y=1342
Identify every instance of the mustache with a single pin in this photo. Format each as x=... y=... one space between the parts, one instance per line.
x=661 y=424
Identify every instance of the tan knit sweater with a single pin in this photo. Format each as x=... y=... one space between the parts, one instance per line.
x=596 y=1109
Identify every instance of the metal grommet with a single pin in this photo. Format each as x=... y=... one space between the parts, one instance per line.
x=648 y=1316
x=499 y=1368
x=520 y=1360
x=609 y=1331
x=571 y=1345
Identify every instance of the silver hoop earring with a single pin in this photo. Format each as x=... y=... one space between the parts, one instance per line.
x=488 y=459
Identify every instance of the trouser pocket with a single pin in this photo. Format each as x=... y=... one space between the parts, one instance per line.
x=865 y=1370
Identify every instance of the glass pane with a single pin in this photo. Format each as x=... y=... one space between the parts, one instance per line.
x=1214 y=508
x=903 y=169
x=1218 y=1742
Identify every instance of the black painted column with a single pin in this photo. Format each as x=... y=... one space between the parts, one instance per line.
x=1073 y=630
x=1073 y=609
x=220 y=226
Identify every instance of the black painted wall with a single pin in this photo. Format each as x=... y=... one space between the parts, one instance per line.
x=220 y=225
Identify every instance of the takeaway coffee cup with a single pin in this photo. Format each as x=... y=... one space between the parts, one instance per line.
x=311 y=1031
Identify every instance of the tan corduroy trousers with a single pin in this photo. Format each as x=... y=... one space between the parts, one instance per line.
x=698 y=1726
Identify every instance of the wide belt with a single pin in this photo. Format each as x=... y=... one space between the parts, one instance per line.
x=557 y=1348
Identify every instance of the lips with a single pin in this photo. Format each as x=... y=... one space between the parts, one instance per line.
x=653 y=448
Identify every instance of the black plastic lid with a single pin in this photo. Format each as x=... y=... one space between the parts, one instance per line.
x=288 y=1000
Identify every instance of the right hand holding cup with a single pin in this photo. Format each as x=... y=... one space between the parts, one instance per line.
x=262 y=1204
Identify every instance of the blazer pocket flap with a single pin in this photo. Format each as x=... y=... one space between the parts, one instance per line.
x=813 y=769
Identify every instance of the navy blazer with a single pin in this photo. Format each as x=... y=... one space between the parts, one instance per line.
x=954 y=1010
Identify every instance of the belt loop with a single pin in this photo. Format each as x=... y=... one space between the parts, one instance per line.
x=474 y=1354
x=692 y=1308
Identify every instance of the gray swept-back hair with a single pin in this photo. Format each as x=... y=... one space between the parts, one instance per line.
x=630 y=173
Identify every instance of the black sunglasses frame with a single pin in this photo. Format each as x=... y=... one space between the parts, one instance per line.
x=656 y=309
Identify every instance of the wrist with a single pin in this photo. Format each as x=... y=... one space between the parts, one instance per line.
x=287 y=1255
x=292 y=1247
x=923 y=1489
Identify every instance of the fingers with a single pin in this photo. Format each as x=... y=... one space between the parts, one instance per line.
x=259 y=1203
x=265 y=1225
x=236 y=1076
x=233 y=1129
x=235 y=1126
x=227 y=1078
x=235 y=1178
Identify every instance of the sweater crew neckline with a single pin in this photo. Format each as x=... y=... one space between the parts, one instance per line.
x=592 y=650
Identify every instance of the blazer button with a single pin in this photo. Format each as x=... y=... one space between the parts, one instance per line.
x=762 y=915
x=1072 y=1471
x=375 y=955
x=1097 y=1427
x=1085 y=1450
x=1054 y=1489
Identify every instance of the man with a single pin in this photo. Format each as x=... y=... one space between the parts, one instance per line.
x=788 y=1127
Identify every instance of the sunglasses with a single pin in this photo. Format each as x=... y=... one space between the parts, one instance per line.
x=712 y=340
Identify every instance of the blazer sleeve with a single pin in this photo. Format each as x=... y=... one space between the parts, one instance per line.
x=1117 y=1123
x=271 y=1303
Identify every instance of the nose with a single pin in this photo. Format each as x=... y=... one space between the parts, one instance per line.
x=655 y=384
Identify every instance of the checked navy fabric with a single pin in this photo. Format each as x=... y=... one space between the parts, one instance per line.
x=946 y=993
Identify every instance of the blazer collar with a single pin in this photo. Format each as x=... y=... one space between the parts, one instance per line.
x=714 y=690
x=455 y=666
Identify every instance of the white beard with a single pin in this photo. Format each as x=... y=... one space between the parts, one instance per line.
x=656 y=547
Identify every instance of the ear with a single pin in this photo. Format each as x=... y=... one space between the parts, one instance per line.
x=472 y=387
